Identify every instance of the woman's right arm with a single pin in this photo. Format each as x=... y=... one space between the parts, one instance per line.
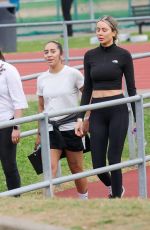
x=87 y=89
x=86 y=96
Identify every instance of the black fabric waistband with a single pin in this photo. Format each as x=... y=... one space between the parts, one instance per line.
x=102 y=99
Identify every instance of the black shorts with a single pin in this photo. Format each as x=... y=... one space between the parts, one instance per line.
x=69 y=141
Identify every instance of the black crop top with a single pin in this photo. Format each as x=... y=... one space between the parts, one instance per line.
x=104 y=68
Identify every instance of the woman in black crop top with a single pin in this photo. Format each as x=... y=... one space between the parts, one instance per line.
x=104 y=68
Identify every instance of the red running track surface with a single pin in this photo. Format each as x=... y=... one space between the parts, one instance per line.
x=142 y=69
x=98 y=190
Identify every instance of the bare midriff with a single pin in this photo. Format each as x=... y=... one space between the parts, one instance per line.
x=106 y=93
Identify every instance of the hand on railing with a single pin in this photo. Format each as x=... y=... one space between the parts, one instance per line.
x=134 y=132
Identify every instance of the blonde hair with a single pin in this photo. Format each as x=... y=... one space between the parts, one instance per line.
x=112 y=23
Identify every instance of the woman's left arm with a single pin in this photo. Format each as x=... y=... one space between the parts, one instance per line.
x=129 y=77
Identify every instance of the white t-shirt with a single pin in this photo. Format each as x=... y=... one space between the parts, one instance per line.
x=11 y=92
x=60 y=90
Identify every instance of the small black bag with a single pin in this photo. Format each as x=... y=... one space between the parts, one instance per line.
x=36 y=160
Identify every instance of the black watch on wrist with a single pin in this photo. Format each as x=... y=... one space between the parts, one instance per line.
x=16 y=127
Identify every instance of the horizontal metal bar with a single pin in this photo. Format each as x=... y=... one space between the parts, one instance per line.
x=37 y=60
x=30 y=77
x=24 y=189
x=22 y=120
x=40 y=116
x=35 y=75
x=74 y=22
x=29 y=133
x=146 y=105
x=80 y=58
x=95 y=106
x=147 y=158
x=146 y=95
x=64 y=179
x=97 y=171
x=140 y=55
x=34 y=131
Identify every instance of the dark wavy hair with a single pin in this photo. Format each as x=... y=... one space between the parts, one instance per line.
x=2 y=56
x=59 y=46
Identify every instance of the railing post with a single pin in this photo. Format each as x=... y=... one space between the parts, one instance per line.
x=92 y=16
x=46 y=160
x=131 y=137
x=141 y=148
x=66 y=47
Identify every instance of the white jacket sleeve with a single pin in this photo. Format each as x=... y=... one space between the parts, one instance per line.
x=15 y=88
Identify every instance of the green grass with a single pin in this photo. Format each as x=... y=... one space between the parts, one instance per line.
x=80 y=41
x=74 y=214
x=37 y=45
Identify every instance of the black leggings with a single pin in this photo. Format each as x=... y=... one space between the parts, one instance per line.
x=108 y=129
x=8 y=159
x=66 y=11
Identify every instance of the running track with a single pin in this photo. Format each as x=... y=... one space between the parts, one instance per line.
x=142 y=77
x=98 y=190
x=142 y=66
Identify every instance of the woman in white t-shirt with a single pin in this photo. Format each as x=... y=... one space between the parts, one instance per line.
x=59 y=88
x=12 y=101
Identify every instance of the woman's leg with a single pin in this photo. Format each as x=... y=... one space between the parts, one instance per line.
x=75 y=162
x=8 y=159
x=55 y=157
x=117 y=134
x=99 y=142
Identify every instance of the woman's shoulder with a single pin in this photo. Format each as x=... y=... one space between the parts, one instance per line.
x=123 y=51
x=7 y=66
x=43 y=75
x=91 y=51
x=71 y=69
x=8 y=69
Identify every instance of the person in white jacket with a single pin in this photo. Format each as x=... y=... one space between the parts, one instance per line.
x=12 y=101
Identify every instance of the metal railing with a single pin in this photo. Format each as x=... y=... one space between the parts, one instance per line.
x=64 y=24
x=131 y=138
x=48 y=181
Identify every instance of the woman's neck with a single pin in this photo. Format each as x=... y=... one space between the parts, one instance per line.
x=108 y=44
x=56 y=69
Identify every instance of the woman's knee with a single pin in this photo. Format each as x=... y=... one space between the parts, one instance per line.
x=76 y=167
x=54 y=169
x=114 y=159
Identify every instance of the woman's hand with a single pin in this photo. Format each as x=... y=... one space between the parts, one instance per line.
x=37 y=141
x=79 y=127
x=86 y=126
x=15 y=136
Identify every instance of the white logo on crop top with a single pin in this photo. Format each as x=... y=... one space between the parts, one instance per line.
x=115 y=61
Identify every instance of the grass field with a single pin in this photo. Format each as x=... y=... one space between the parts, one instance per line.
x=73 y=214
x=80 y=41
